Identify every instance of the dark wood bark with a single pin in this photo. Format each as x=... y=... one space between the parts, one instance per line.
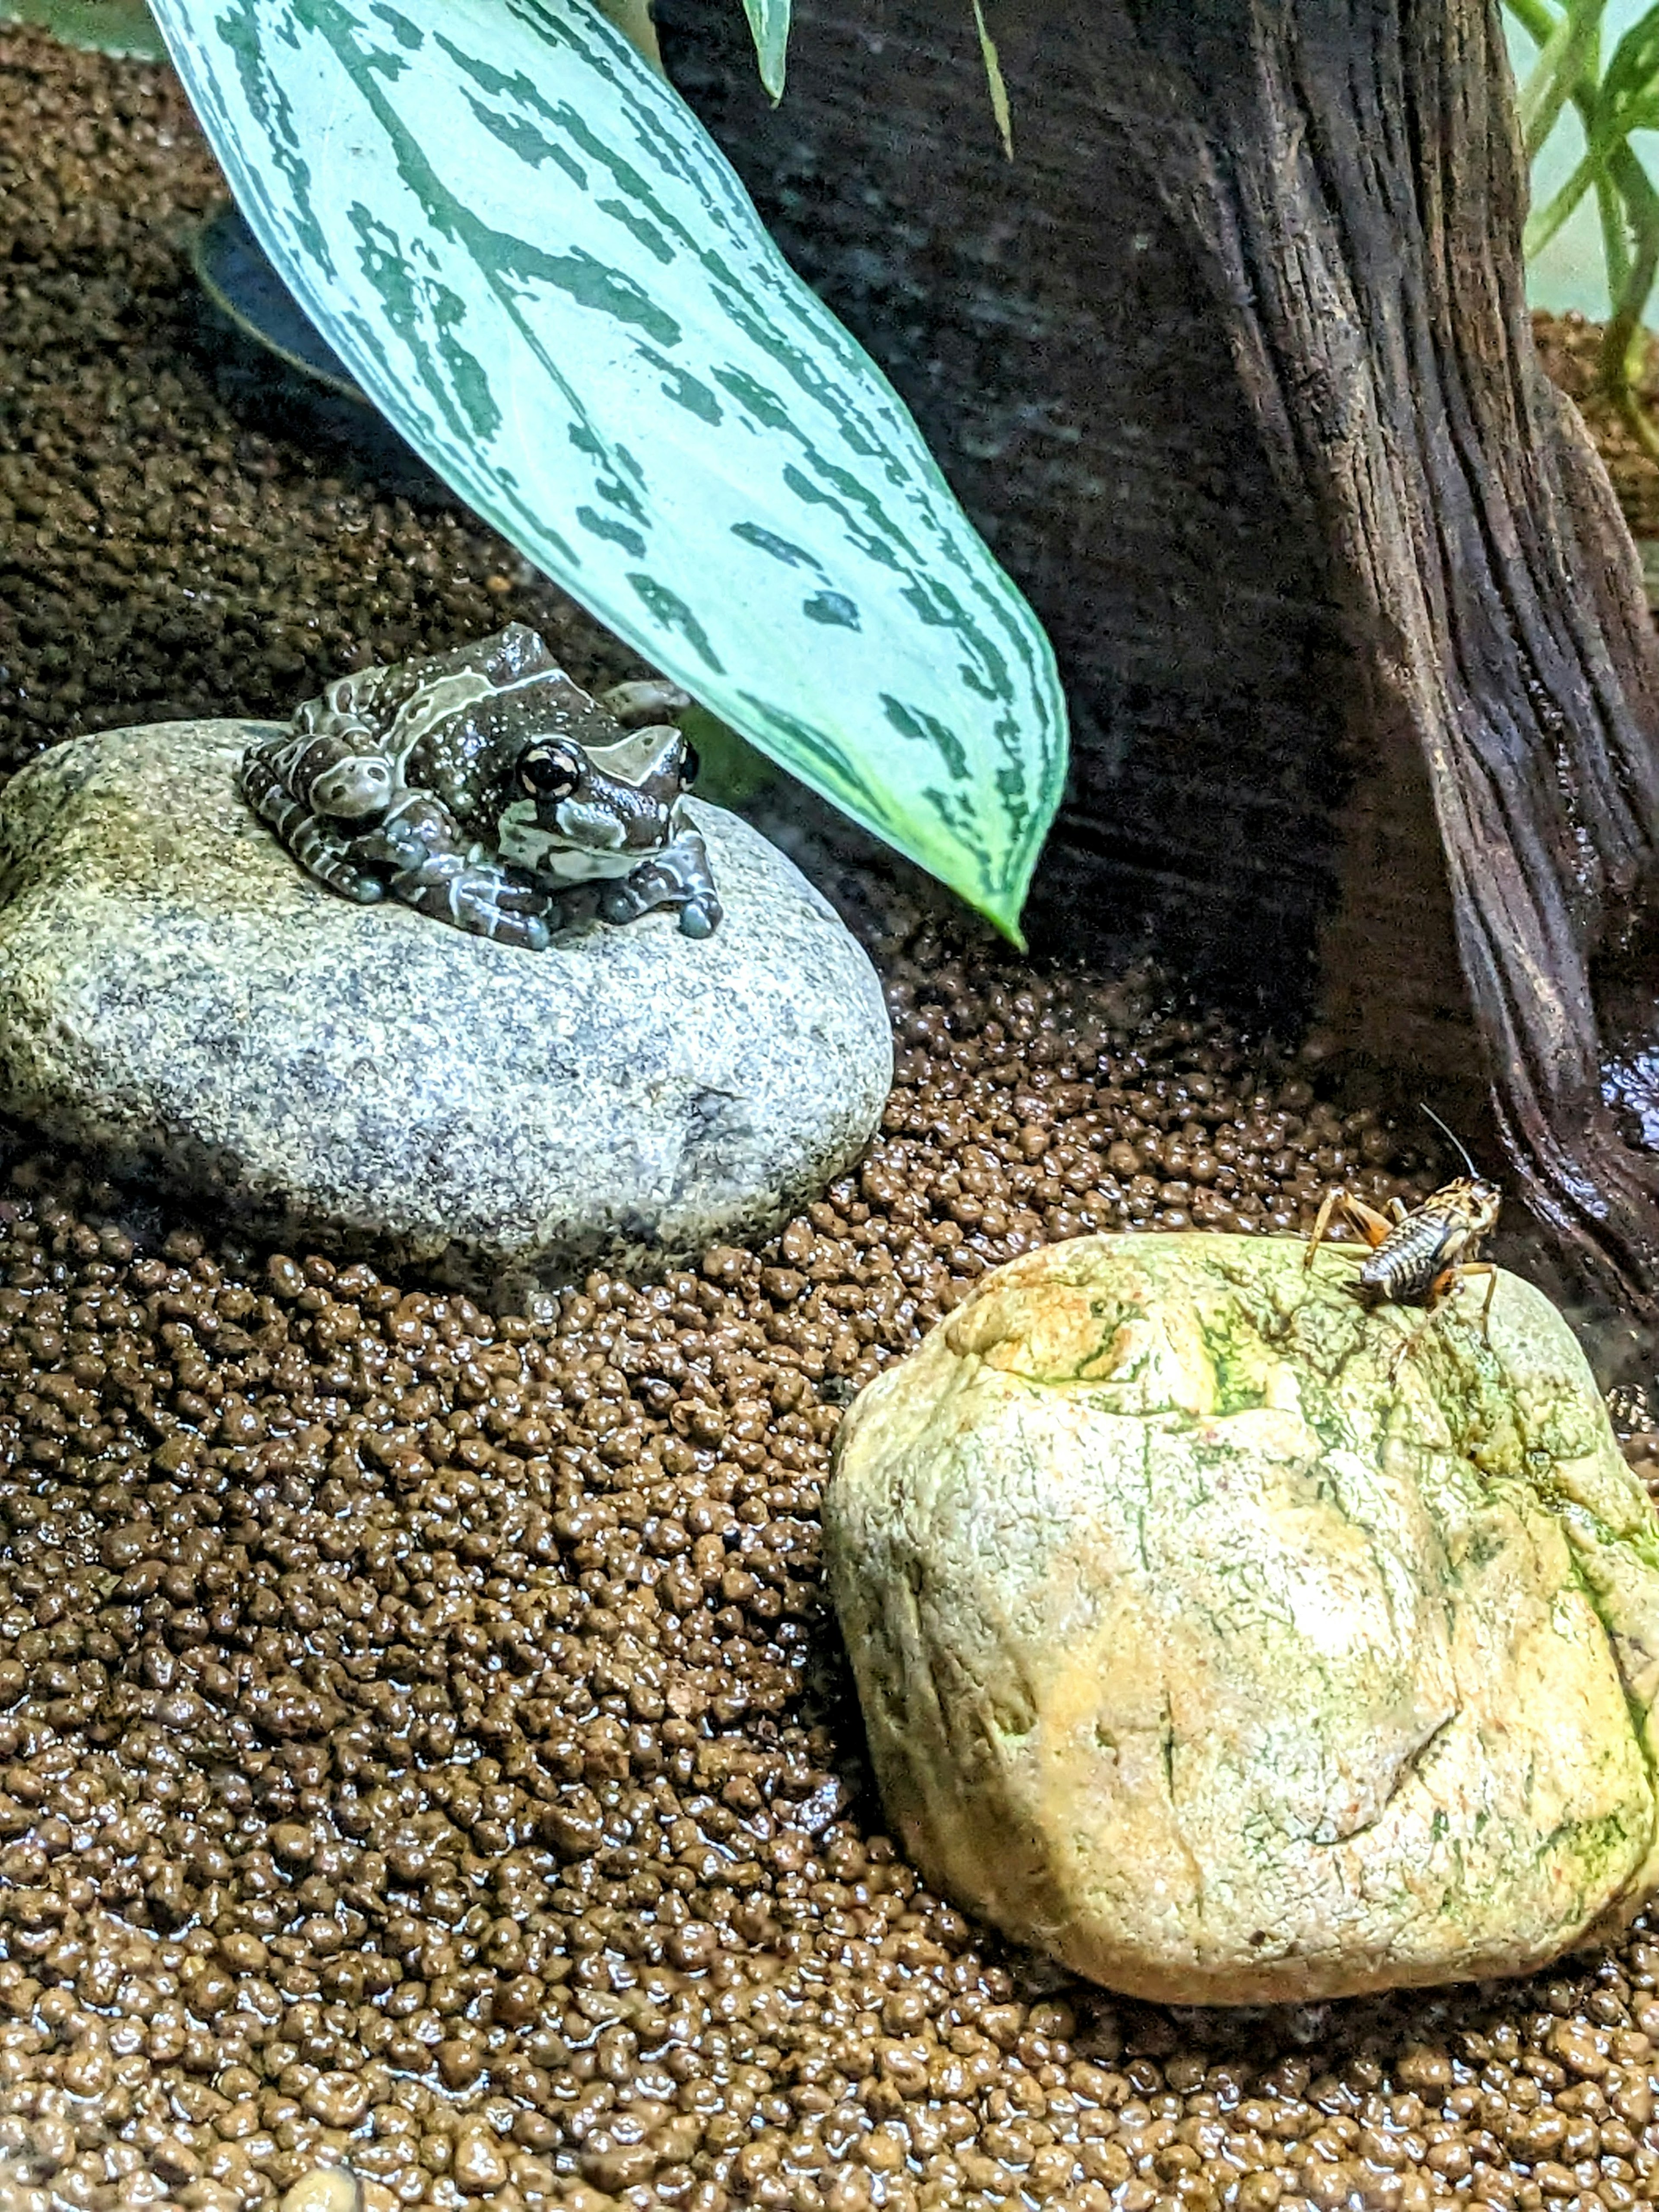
x=1355 y=171
x=1234 y=366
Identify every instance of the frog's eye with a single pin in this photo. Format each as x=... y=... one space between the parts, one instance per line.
x=688 y=765
x=549 y=771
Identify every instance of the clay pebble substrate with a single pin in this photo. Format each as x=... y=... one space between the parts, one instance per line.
x=423 y=1741
x=427 y=1745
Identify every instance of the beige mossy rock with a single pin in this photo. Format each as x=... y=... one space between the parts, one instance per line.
x=1200 y=1652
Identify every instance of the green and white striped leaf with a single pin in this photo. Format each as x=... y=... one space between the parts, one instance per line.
x=769 y=21
x=633 y=18
x=527 y=250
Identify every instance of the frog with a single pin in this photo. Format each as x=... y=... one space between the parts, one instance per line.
x=478 y=785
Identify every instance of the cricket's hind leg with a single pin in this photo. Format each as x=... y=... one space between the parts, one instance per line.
x=1440 y=1292
x=1373 y=1226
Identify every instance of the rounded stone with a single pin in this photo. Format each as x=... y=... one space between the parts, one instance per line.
x=1209 y=1647
x=178 y=995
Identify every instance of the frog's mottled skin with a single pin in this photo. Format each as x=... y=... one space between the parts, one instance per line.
x=475 y=784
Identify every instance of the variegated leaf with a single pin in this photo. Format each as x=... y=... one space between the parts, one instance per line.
x=633 y=18
x=527 y=250
x=769 y=21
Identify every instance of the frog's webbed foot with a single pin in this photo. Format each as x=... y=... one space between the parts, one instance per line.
x=480 y=897
x=435 y=872
x=321 y=847
x=646 y=699
x=679 y=876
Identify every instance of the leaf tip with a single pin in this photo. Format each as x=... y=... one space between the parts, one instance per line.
x=1004 y=920
x=768 y=20
x=998 y=89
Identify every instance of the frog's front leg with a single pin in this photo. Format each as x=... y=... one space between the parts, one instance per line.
x=437 y=872
x=678 y=875
x=324 y=848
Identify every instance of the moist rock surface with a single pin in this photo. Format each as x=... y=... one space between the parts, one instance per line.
x=176 y=993
x=1204 y=1651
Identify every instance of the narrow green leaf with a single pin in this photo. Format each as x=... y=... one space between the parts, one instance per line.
x=769 y=21
x=1633 y=73
x=529 y=252
x=994 y=78
x=1568 y=52
x=1620 y=108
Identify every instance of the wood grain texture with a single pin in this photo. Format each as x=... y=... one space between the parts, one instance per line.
x=1235 y=367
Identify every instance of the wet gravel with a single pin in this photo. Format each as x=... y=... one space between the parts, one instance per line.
x=422 y=1742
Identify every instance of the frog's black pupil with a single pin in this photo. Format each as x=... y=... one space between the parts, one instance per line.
x=688 y=766
x=550 y=772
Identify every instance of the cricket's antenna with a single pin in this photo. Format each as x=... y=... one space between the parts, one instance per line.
x=1462 y=1149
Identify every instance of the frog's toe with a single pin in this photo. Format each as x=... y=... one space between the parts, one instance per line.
x=332 y=863
x=525 y=915
x=530 y=930
x=491 y=904
x=700 y=917
x=518 y=894
x=619 y=902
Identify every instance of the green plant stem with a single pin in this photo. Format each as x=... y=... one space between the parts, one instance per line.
x=1548 y=35
x=1536 y=21
x=1616 y=236
x=1622 y=340
x=1568 y=52
x=1543 y=226
x=1626 y=203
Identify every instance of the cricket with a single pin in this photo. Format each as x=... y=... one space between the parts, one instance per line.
x=1421 y=1254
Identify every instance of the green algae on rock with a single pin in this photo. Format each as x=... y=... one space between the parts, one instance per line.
x=1201 y=1649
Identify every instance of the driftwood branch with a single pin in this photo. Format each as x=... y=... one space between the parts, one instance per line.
x=1354 y=174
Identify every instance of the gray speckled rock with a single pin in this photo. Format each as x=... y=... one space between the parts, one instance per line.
x=175 y=993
